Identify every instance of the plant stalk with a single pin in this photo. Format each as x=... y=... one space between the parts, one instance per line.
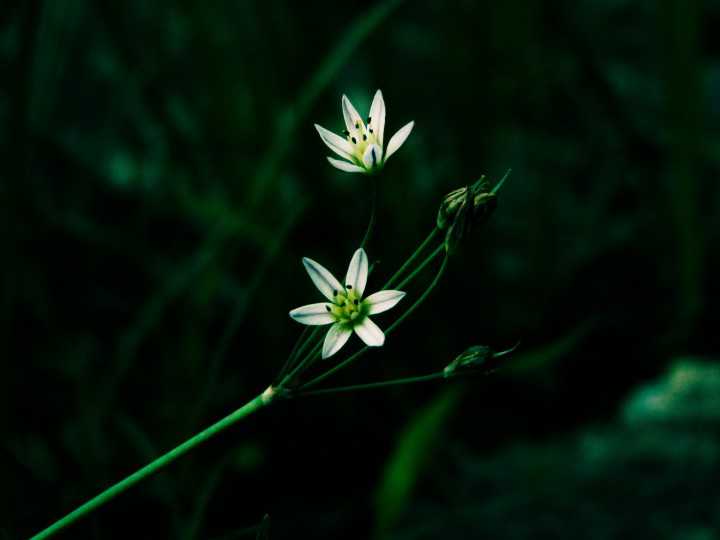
x=113 y=491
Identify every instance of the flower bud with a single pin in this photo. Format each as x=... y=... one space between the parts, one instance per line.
x=460 y=210
x=465 y=207
x=483 y=206
x=451 y=205
x=473 y=356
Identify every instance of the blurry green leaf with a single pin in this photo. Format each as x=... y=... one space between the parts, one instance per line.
x=680 y=26
x=34 y=454
x=542 y=357
x=413 y=451
x=247 y=457
x=264 y=529
x=58 y=26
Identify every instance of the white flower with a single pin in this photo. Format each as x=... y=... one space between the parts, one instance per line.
x=346 y=309
x=362 y=147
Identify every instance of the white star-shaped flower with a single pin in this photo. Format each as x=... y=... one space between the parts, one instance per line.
x=362 y=147
x=346 y=309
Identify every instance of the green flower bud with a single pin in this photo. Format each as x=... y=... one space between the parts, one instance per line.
x=474 y=357
x=483 y=206
x=451 y=205
x=466 y=207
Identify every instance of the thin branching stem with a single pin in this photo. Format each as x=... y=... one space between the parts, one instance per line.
x=411 y=259
x=422 y=298
x=421 y=267
x=373 y=209
x=306 y=336
x=370 y=386
x=304 y=363
x=497 y=187
x=397 y=382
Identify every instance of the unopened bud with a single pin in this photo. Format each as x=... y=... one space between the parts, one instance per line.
x=483 y=205
x=452 y=203
x=474 y=357
x=464 y=208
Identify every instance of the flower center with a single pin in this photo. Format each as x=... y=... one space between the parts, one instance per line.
x=360 y=137
x=347 y=306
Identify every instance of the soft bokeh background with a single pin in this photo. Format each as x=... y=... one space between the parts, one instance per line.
x=161 y=179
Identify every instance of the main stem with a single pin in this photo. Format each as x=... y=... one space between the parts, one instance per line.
x=113 y=491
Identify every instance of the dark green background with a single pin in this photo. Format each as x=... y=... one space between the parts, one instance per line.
x=160 y=180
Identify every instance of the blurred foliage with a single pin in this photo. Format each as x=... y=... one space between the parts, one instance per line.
x=412 y=455
x=161 y=180
x=620 y=480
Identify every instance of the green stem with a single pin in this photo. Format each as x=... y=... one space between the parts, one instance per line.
x=423 y=296
x=414 y=256
x=300 y=344
x=308 y=358
x=497 y=187
x=370 y=386
x=421 y=267
x=358 y=354
x=113 y=491
x=371 y=223
x=298 y=349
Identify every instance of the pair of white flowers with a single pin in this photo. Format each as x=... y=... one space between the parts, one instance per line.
x=346 y=309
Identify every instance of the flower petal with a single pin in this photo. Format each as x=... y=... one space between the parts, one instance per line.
x=322 y=278
x=372 y=156
x=313 y=314
x=370 y=333
x=383 y=300
x=397 y=140
x=377 y=117
x=357 y=273
x=336 y=337
x=352 y=118
x=344 y=165
x=335 y=142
